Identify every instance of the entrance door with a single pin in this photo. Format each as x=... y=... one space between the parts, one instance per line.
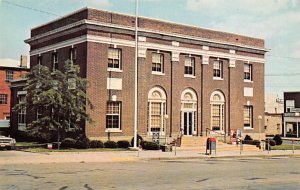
x=188 y=124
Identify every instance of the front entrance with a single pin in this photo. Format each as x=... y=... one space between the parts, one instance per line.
x=188 y=123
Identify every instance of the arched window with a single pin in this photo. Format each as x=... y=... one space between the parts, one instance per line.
x=217 y=102
x=188 y=112
x=156 y=110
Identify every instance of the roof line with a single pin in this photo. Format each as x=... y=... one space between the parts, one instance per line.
x=155 y=19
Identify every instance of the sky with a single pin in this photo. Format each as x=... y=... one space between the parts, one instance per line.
x=275 y=21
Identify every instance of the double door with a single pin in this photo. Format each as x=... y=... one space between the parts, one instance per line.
x=188 y=122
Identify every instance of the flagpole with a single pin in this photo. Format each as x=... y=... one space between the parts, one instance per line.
x=135 y=75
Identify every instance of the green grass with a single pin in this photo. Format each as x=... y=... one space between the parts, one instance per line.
x=27 y=143
x=42 y=150
x=285 y=147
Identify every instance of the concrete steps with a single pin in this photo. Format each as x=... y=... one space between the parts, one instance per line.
x=198 y=143
x=221 y=147
x=193 y=141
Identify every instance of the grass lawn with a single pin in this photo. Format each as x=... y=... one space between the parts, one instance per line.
x=285 y=147
x=41 y=150
x=27 y=143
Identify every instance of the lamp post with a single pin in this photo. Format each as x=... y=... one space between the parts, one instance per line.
x=165 y=118
x=259 y=126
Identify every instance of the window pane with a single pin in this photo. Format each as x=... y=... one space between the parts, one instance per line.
x=157 y=62
x=3 y=98
x=113 y=115
x=248 y=116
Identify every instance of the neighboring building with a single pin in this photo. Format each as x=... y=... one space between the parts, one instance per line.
x=9 y=70
x=291 y=119
x=273 y=115
x=200 y=78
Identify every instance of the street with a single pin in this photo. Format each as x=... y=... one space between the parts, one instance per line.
x=211 y=173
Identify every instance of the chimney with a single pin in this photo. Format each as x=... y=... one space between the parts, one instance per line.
x=23 y=61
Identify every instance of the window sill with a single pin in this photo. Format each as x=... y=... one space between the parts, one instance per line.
x=189 y=76
x=249 y=81
x=248 y=128
x=113 y=131
x=217 y=78
x=158 y=73
x=115 y=70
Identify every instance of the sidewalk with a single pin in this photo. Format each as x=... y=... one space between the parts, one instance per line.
x=19 y=157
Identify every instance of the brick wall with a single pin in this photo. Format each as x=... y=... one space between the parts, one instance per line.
x=5 y=89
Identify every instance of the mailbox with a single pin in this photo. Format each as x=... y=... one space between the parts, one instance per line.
x=211 y=144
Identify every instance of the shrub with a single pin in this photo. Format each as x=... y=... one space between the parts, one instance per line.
x=83 y=143
x=247 y=141
x=68 y=143
x=147 y=145
x=96 y=144
x=248 y=138
x=256 y=143
x=277 y=139
x=123 y=144
x=110 y=144
x=139 y=139
x=272 y=142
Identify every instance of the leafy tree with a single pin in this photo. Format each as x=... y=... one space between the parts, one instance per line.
x=58 y=99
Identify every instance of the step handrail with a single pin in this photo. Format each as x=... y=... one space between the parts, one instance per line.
x=208 y=129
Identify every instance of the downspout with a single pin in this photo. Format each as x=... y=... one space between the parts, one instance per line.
x=171 y=96
x=202 y=79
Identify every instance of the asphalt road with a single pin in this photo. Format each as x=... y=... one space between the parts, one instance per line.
x=217 y=173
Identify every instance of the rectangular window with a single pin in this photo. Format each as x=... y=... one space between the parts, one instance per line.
x=157 y=62
x=9 y=75
x=73 y=55
x=290 y=105
x=218 y=69
x=3 y=98
x=40 y=60
x=247 y=72
x=156 y=116
x=38 y=114
x=54 y=61
x=113 y=115
x=114 y=58
x=22 y=114
x=216 y=117
x=248 y=116
x=189 y=66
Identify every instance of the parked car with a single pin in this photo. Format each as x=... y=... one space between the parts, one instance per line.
x=7 y=143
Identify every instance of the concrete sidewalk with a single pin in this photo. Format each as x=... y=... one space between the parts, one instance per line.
x=20 y=157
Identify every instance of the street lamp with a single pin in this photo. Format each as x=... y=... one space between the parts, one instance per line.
x=259 y=126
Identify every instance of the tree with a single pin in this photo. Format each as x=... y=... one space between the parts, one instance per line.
x=59 y=100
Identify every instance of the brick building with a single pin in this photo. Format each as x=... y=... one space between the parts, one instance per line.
x=200 y=78
x=291 y=116
x=9 y=71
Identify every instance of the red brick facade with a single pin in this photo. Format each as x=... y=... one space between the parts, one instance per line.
x=5 y=87
x=103 y=30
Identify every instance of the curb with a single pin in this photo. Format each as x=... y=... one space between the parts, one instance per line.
x=215 y=157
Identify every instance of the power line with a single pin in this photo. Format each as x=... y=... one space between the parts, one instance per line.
x=54 y=14
x=30 y=8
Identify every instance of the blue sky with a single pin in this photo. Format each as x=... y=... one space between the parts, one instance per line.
x=276 y=21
